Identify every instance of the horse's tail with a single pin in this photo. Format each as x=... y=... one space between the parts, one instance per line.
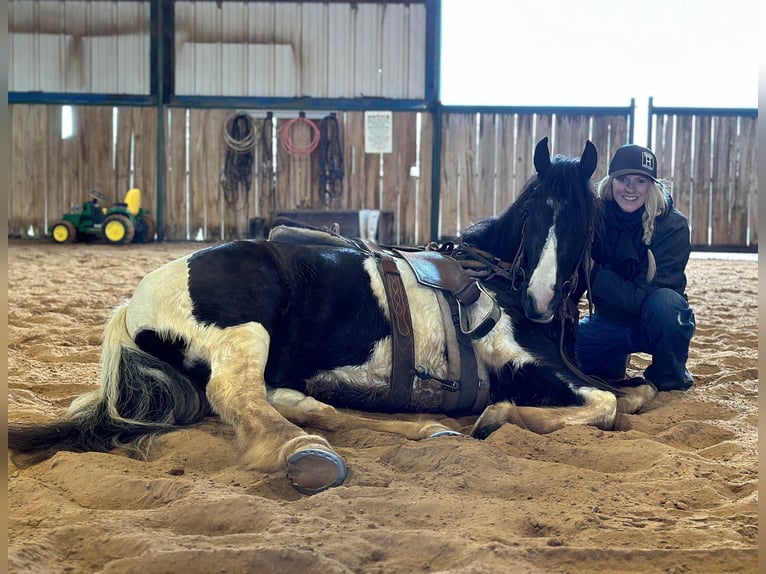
x=140 y=396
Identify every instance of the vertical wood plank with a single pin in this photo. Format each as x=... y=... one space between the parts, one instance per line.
x=33 y=205
x=457 y=171
x=746 y=189
x=682 y=179
x=198 y=180
x=468 y=158
x=75 y=189
x=56 y=204
x=353 y=151
x=145 y=160
x=20 y=168
x=524 y=167
x=423 y=201
x=701 y=181
x=176 y=209
x=486 y=201
x=213 y=123
x=506 y=162
x=601 y=138
x=724 y=149
x=544 y=126
x=98 y=150
x=398 y=186
x=126 y=118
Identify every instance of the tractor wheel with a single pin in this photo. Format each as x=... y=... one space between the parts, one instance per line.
x=118 y=229
x=145 y=230
x=63 y=232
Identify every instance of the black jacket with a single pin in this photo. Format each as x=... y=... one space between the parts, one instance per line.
x=618 y=280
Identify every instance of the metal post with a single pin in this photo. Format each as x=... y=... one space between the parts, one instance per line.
x=162 y=69
x=433 y=71
x=649 y=122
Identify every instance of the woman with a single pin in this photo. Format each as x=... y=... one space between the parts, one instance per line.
x=638 y=278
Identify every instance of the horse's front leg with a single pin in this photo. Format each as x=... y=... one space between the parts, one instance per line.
x=598 y=409
x=308 y=411
x=268 y=442
x=637 y=392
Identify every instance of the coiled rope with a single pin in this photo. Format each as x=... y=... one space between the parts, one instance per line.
x=286 y=137
x=240 y=134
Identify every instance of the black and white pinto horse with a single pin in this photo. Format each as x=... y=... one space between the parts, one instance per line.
x=270 y=335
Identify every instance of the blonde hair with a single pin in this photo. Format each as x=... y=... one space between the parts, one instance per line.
x=656 y=204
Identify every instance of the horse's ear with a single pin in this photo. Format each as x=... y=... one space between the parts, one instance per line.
x=542 y=156
x=589 y=160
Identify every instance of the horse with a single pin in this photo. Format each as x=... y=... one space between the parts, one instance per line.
x=272 y=335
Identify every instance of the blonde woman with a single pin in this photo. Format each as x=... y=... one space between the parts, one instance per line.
x=638 y=278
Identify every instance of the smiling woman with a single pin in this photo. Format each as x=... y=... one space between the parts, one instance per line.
x=501 y=53
x=638 y=278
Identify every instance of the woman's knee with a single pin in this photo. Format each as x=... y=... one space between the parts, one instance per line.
x=662 y=304
x=666 y=308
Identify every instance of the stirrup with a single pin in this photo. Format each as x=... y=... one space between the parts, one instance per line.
x=485 y=325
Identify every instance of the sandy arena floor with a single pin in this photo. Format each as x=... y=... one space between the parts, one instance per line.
x=676 y=493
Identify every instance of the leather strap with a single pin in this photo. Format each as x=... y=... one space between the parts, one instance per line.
x=402 y=338
x=469 y=376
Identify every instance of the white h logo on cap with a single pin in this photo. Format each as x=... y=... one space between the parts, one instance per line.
x=647 y=160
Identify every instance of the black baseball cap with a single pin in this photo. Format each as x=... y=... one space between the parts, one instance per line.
x=632 y=158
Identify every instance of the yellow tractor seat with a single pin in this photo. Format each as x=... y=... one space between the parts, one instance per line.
x=133 y=200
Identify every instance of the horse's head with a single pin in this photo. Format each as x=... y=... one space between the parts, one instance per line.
x=546 y=233
x=559 y=209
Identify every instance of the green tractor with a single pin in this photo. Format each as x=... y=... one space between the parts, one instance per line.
x=121 y=223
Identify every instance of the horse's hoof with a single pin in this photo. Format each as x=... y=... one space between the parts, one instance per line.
x=446 y=432
x=313 y=470
x=484 y=426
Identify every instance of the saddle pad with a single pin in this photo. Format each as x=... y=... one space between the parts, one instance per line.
x=441 y=272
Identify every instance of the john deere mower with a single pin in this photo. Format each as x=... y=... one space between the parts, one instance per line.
x=120 y=223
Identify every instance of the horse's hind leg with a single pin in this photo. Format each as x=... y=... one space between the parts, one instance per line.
x=269 y=442
x=307 y=411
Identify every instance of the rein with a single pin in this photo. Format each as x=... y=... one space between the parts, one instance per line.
x=566 y=315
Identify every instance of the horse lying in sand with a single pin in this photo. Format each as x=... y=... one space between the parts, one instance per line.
x=277 y=333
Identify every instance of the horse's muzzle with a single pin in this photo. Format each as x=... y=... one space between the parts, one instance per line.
x=534 y=314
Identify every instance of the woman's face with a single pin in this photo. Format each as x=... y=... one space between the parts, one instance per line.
x=630 y=191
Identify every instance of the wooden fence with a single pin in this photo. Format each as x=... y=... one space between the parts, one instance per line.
x=485 y=157
x=710 y=157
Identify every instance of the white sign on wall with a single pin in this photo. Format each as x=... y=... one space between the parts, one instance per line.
x=378 y=132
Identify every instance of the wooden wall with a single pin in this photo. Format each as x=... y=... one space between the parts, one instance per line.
x=485 y=159
x=711 y=162
x=49 y=174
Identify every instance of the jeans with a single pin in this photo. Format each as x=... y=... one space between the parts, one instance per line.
x=664 y=330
